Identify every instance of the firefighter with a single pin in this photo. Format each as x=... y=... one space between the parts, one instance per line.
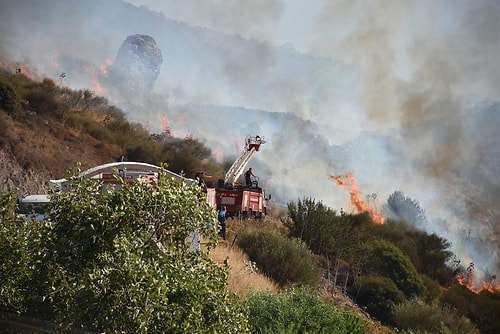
x=248 y=177
x=221 y=217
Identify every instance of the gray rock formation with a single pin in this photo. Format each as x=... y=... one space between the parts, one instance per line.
x=15 y=178
x=137 y=66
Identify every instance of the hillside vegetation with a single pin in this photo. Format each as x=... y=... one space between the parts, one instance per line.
x=365 y=275
x=45 y=129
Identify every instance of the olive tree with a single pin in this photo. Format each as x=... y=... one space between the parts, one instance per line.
x=122 y=262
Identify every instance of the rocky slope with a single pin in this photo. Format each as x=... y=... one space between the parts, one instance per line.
x=35 y=150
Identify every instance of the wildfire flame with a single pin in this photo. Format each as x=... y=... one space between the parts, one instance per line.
x=468 y=279
x=349 y=183
x=104 y=69
x=165 y=126
x=94 y=76
x=20 y=69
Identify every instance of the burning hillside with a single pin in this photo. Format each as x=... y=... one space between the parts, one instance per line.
x=470 y=278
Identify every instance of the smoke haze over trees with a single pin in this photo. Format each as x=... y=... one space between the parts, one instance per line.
x=396 y=94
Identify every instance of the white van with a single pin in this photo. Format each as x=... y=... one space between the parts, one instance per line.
x=33 y=206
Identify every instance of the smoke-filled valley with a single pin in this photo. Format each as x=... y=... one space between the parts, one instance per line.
x=401 y=104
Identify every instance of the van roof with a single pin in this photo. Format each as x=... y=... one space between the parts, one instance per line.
x=35 y=199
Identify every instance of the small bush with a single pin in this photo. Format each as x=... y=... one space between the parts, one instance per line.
x=76 y=121
x=144 y=152
x=432 y=289
x=298 y=311
x=119 y=127
x=386 y=259
x=483 y=308
x=378 y=294
x=430 y=318
x=5 y=137
x=9 y=100
x=99 y=132
x=287 y=261
x=44 y=102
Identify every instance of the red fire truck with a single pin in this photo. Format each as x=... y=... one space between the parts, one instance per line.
x=242 y=200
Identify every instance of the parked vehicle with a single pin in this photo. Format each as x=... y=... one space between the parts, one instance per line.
x=33 y=206
x=245 y=200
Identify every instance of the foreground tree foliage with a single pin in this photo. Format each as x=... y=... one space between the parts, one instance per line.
x=119 y=262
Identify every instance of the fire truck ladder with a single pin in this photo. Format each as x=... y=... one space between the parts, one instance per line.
x=252 y=145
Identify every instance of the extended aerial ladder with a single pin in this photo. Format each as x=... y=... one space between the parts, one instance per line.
x=252 y=145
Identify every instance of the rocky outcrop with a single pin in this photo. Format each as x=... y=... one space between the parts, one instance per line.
x=13 y=177
x=137 y=66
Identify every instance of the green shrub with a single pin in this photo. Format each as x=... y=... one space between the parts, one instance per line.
x=120 y=128
x=85 y=124
x=430 y=318
x=385 y=259
x=116 y=113
x=378 y=294
x=430 y=254
x=287 y=261
x=148 y=152
x=432 y=289
x=75 y=121
x=9 y=100
x=5 y=136
x=298 y=311
x=99 y=132
x=483 y=308
x=44 y=102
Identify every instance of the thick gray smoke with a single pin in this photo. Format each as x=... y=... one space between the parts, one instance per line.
x=404 y=95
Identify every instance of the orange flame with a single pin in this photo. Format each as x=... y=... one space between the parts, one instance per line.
x=20 y=69
x=348 y=182
x=96 y=87
x=468 y=279
x=104 y=68
x=165 y=126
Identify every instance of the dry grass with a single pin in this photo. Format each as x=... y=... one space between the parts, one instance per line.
x=44 y=144
x=244 y=277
